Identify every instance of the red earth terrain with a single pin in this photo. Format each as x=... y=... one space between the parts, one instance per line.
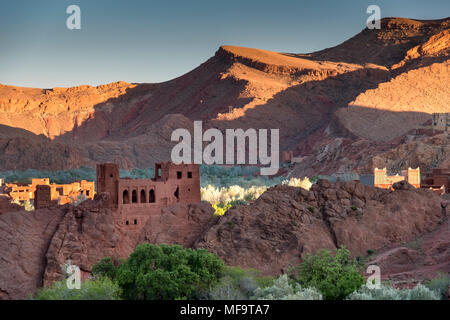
x=369 y=95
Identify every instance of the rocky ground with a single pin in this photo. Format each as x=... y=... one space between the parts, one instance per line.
x=286 y=223
x=420 y=259
x=7 y=206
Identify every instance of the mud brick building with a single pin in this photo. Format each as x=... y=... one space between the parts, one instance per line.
x=135 y=200
x=437 y=180
x=61 y=193
x=382 y=180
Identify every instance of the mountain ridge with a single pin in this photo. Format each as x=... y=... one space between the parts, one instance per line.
x=377 y=74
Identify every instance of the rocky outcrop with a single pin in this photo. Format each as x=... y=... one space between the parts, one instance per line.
x=327 y=155
x=286 y=223
x=84 y=236
x=426 y=153
x=179 y=223
x=7 y=206
x=35 y=245
x=24 y=241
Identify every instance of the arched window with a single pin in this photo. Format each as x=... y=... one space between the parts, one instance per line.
x=151 y=196
x=134 y=196
x=143 y=197
x=126 y=197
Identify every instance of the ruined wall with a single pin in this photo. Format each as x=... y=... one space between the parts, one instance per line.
x=42 y=197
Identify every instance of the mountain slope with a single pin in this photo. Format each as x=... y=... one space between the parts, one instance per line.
x=375 y=87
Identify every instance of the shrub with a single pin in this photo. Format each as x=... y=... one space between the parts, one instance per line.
x=335 y=277
x=237 y=283
x=100 y=289
x=440 y=285
x=232 y=194
x=226 y=289
x=283 y=290
x=155 y=272
x=419 y=292
x=220 y=210
x=27 y=205
x=304 y=183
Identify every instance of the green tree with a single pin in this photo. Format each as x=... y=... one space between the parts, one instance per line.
x=334 y=276
x=163 y=272
x=105 y=268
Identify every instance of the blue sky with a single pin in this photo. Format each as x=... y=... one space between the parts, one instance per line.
x=155 y=41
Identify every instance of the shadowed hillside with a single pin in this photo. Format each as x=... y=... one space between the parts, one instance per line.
x=377 y=87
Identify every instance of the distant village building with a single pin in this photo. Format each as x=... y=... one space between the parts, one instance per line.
x=61 y=193
x=437 y=180
x=136 y=200
x=288 y=156
x=441 y=121
x=382 y=180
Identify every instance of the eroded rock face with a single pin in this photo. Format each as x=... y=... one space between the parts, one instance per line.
x=36 y=245
x=85 y=235
x=179 y=223
x=285 y=223
x=7 y=206
x=24 y=241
